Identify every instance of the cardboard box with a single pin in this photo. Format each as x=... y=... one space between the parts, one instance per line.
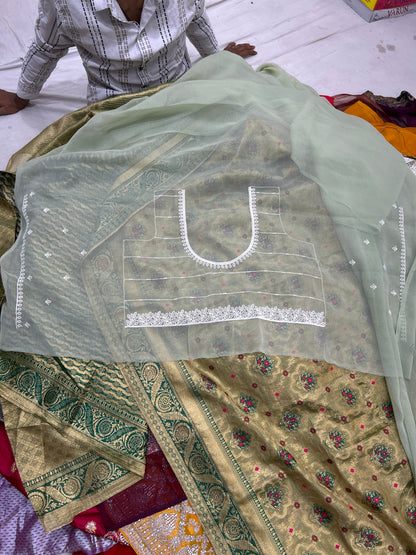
x=372 y=10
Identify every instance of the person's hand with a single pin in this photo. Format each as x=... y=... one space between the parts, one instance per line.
x=10 y=103
x=244 y=50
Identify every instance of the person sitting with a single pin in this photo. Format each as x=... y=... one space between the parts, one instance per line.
x=125 y=45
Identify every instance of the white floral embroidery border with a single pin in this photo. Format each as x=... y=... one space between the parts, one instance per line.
x=210 y=263
x=22 y=273
x=225 y=314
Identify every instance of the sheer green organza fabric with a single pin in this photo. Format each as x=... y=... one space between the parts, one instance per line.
x=233 y=211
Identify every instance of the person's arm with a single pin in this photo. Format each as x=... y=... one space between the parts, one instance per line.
x=202 y=36
x=200 y=32
x=48 y=46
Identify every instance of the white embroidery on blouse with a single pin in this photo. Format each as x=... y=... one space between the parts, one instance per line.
x=224 y=314
x=188 y=315
x=403 y=266
x=21 y=278
x=228 y=263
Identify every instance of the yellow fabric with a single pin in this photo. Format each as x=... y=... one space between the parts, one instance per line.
x=175 y=531
x=402 y=138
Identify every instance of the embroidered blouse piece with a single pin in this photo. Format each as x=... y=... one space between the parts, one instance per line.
x=120 y=56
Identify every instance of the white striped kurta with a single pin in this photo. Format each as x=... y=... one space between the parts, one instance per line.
x=120 y=56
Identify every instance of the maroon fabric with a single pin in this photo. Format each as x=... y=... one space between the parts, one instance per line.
x=157 y=491
x=401 y=110
x=116 y=550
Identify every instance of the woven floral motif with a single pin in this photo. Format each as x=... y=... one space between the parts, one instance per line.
x=312 y=224
x=287 y=458
x=375 y=500
x=326 y=479
x=337 y=439
x=382 y=455
x=333 y=299
x=227 y=229
x=343 y=266
x=291 y=421
x=388 y=410
x=275 y=497
x=349 y=396
x=247 y=403
x=411 y=515
x=367 y=538
x=241 y=439
x=208 y=384
x=308 y=381
x=264 y=364
x=174 y=248
x=265 y=241
x=322 y=515
x=359 y=355
x=139 y=231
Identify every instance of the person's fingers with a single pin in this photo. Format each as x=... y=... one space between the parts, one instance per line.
x=244 y=50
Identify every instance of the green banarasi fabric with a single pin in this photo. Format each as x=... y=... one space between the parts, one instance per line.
x=237 y=224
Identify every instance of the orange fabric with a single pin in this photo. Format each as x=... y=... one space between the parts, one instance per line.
x=173 y=531
x=402 y=138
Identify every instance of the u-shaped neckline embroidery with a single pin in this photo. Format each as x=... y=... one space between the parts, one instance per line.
x=228 y=264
